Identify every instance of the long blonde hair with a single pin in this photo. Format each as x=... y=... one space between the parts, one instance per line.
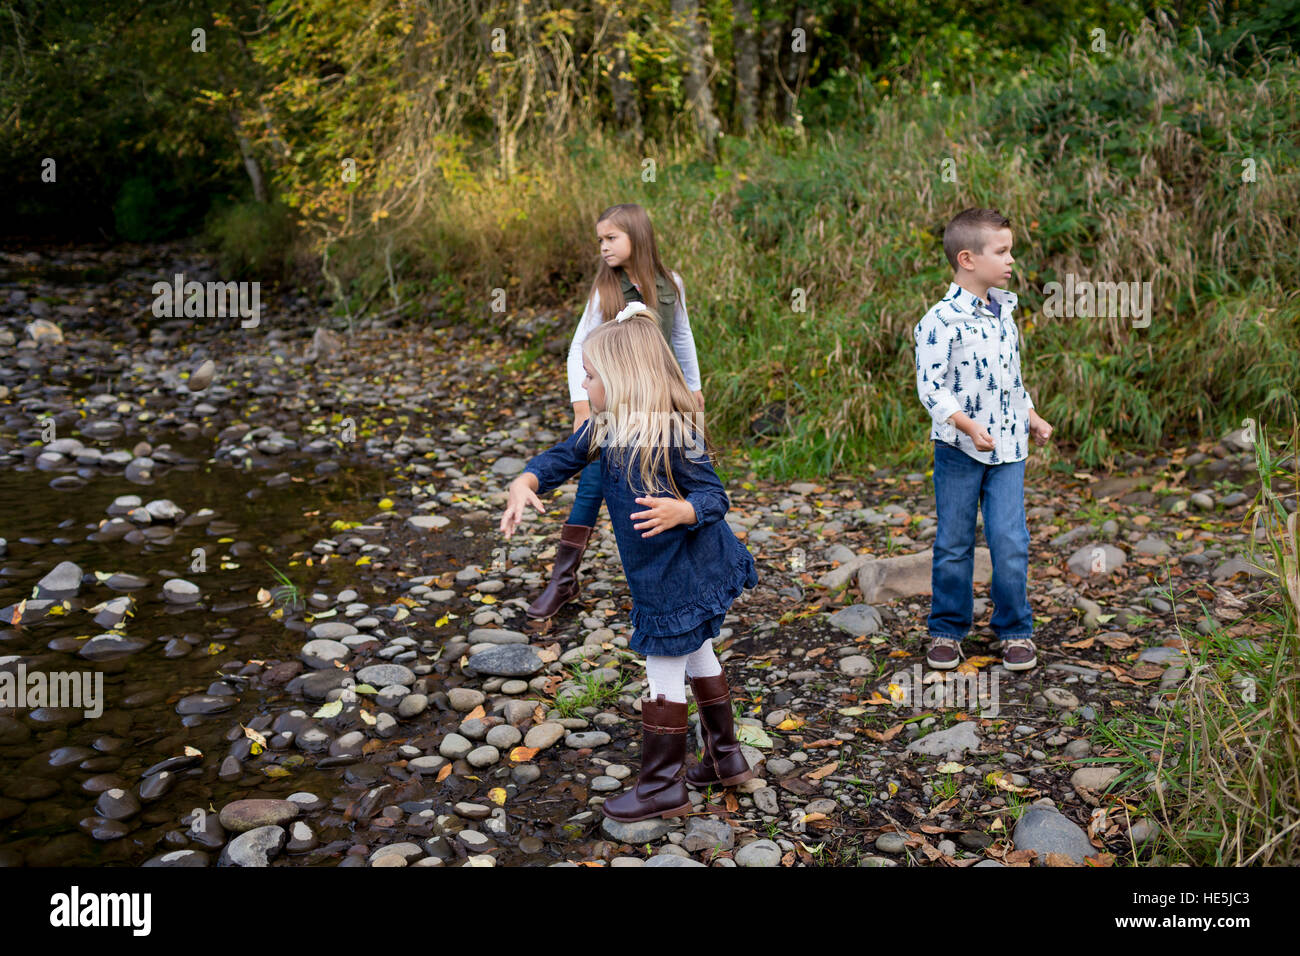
x=648 y=404
x=642 y=266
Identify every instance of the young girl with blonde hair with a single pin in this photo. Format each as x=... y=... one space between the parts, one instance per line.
x=629 y=270
x=684 y=565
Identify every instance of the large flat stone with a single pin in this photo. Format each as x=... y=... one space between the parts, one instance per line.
x=890 y=579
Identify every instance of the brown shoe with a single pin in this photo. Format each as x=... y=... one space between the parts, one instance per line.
x=1018 y=654
x=659 y=790
x=723 y=764
x=563 y=586
x=944 y=653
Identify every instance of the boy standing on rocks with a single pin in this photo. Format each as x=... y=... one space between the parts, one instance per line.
x=968 y=378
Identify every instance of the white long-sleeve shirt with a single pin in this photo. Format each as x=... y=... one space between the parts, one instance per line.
x=968 y=360
x=683 y=343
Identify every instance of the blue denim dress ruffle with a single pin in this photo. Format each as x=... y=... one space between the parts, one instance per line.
x=682 y=580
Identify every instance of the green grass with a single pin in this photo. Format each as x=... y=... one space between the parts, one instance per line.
x=1218 y=766
x=853 y=217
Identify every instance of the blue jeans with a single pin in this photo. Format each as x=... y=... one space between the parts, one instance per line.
x=587 y=499
x=961 y=485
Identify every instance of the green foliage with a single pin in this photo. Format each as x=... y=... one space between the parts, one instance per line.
x=252 y=239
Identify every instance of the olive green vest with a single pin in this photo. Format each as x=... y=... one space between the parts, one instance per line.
x=667 y=304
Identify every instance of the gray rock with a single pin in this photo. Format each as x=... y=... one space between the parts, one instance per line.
x=179 y=858
x=117 y=804
x=856 y=665
x=254 y=848
x=504 y=736
x=883 y=580
x=671 y=859
x=1045 y=830
x=407 y=851
x=465 y=699
x=105 y=647
x=412 y=705
x=1151 y=545
x=204 y=704
x=484 y=756
x=641 y=831
x=587 y=738
x=492 y=635
x=454 y=746
x=428 y=522
x=1061 y=698
x=508 y=466
x=164 y=509
x=1161 y=655
x=544 y=735
x=1093 y=778
x=179 y=591
x=331 y=631
x=426 y=765
x=244 y=815
x=323 y=653
x=385 y=675
x=857 y=619
x=891 y=842
x=958 y=739
x=703 y=833
x=1095 y=560
x=201 y=377
x=759 y=853
x=1232 y=567
x=63 y=581
x=507 y=660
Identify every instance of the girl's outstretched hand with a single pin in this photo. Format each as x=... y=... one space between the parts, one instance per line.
x=521 y=495
x=663 y=513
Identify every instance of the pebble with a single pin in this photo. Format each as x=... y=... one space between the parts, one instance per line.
x=703 y=833
x=454 y=746
x=957 y=739
x=483 y=756
x=504 y=736
x=589 y=738
x=244 y=815
x=759 y=853
x=1046 y=830
x=465 y=699
x=891 y=842
x=543 y=735
x=117 y=804
x=1093 y=778
x=636 y=833
x=254 y=848
x=179 y=591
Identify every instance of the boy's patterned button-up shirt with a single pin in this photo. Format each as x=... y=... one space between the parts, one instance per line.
x=968 y=360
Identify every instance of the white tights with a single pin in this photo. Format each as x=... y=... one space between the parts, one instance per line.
x=667 y=675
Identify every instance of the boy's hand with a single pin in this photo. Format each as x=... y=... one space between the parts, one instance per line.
x=521 y=495
x=1039 y=429
x=981 y=437
x=663 y=513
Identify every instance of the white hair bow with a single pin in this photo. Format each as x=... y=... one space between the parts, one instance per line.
x=631 y=309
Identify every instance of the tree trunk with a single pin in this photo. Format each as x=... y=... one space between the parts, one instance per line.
x=796 y=66
x=746 y=111
x=698 y=49
x=251 y=165
x=627 y=111
x=770 y=46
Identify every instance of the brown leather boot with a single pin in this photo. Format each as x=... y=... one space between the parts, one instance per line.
x=659 y=790
x=563 y=586
x=723 y=763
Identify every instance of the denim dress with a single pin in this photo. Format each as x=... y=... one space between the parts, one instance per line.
x=683 y=579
